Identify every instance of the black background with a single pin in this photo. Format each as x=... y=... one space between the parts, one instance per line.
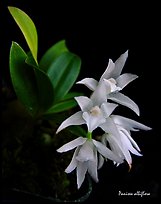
x=98 y=31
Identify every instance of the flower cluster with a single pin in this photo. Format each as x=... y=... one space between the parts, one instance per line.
x=97 y=111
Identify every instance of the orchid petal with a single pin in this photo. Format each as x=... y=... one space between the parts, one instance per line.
x=100 y=161
x=73 y=163
x=108 y=108
x=93 y=121
x=108 y=87
x=107 y=153
x=128 y=145
x=75 y=119
x=124 y=79
x=129 y=124
x=111 y=85
x=125 y=101
x=115 y=145
x=84 y=102
x=72 y=144
x=81 y=171
x=114 y=133
x=110 y=127
x=119 y=64
x=92 y=167
x=119 y=145
x=100 y=94
x=131 y=139
x=86 y=152
x=127 y=155
x=89 y=82
x=103 y=139
x=109 y=70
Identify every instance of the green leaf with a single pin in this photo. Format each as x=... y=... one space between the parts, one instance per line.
x=56 y=118
x=62 y=106
x=30 y=60
x=28 y=29
x=63 y=73
x=71 y=95
x=45 y=88
x=23 y=79
x=77 y=130
x=51 y=54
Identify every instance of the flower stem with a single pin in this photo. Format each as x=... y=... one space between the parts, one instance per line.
x=89 y=135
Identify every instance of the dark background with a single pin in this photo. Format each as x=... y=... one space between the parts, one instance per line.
x=98 y=31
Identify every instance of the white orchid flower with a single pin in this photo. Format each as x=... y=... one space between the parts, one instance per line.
x=85 y=158
x=118 y=136
x=115 y=81
x=94 y=112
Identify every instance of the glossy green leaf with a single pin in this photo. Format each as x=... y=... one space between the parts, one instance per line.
x=51 y=54
x=28 y=29
x=45 y=88
x=62 y=106
x=63 y=73
x=23 y=79
x=71 y=95
x=30 y=60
